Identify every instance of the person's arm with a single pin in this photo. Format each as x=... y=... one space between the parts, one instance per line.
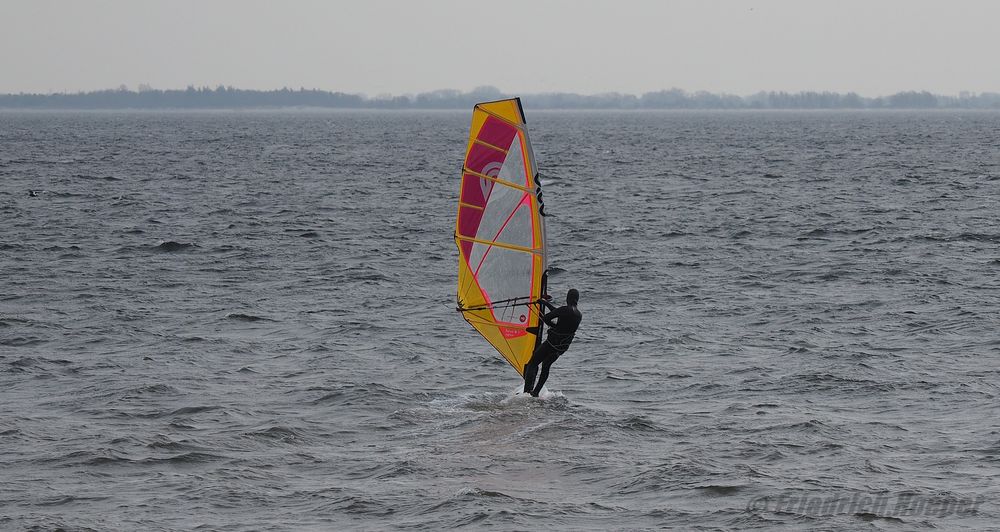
x=555 y=314
x=543 y=301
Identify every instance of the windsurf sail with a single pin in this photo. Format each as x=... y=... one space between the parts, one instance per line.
x=500 y=232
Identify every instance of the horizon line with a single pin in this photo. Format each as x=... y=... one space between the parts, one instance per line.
x=143 y=87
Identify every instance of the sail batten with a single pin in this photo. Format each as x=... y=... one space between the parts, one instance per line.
x=500 y=244
x=500 y=232
x=495 y=180
x=488 y=145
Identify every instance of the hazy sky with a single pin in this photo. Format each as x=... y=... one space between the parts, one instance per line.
x=873 y=47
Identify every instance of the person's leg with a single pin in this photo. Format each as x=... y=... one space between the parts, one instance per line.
x=532 y=367
x=544 y=376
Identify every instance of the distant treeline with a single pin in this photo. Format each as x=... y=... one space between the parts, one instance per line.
x=231 y=98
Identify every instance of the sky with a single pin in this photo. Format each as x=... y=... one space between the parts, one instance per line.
x=377 y=47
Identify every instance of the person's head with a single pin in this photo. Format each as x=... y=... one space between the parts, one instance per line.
x=572 y=296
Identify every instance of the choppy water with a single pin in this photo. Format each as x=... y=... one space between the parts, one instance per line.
x=244 y=321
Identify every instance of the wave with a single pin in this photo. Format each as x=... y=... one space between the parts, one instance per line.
x=60 y=500
x=989 y=238
x=721 y=490
x=96 y=177
x=170 y=246
x=193 y=410
x=823 y=232
x=638 y=424
x=869 y=517
x=365 y=394
x=150 y=389
x=277 y=433
x=21 y=341
x=237 y=316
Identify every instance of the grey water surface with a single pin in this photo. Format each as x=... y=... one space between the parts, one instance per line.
x=245 y=321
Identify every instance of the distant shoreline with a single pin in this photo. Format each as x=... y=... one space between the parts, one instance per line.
x=229 y=98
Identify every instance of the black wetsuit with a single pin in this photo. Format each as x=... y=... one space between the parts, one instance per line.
x=560 y=336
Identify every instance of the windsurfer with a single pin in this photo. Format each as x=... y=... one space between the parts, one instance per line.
x=567 y=319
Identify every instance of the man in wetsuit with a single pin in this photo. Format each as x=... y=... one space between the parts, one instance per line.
x=567 y=319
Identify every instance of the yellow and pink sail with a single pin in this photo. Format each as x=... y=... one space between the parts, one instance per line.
x=500 y=232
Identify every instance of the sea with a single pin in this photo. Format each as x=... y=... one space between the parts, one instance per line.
x=245 y=320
